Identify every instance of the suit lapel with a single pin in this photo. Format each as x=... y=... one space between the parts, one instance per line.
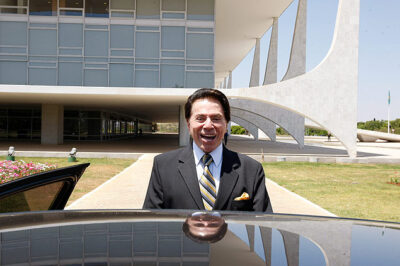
x=229 y=177
x=187 y=169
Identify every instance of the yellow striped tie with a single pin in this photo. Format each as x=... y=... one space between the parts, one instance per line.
x=207 y=184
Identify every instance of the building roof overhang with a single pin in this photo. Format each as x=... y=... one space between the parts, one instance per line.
x=238 y=23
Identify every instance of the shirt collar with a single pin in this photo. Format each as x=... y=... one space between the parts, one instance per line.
x=215 y=154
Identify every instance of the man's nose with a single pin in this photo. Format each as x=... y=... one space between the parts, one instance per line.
x=208 y=123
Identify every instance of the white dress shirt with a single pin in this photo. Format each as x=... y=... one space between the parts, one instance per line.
x=215 y=166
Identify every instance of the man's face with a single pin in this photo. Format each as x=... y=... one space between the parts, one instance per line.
x=207 y=124
x=204 y=225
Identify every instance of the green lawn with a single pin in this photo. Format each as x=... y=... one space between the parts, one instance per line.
x=347 y=190
x=99 y=171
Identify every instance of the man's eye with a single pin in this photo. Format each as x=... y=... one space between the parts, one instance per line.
x=216 y=119
x=200 y=119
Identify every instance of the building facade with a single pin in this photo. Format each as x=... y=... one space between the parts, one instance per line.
x=112 y=43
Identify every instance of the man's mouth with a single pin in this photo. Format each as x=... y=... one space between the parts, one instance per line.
x=207 y=137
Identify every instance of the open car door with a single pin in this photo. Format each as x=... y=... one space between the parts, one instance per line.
x=39 y=192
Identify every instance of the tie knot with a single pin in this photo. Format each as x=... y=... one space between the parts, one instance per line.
x=207 y=159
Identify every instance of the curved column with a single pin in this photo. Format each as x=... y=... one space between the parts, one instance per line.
x=297 y=61
x=230 y=80
x=271 y=69
x=247 y=125
x=293 y=123
x=255 y=69
x=327 y=95
x=264 y=124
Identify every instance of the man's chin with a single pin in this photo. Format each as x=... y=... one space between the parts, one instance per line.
x=208 y=147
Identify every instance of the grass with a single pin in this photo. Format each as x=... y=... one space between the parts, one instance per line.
x=347 y=190
x=99 y=171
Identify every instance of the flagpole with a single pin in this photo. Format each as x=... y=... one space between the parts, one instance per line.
x=389 y=113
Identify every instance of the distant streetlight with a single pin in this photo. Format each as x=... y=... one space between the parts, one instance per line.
x=11 y=154
x=72 y=155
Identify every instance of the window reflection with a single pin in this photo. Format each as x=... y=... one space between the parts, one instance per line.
x=36 y=199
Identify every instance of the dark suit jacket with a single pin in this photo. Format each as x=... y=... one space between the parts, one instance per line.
x=174 y=183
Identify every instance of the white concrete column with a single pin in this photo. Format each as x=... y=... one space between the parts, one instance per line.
x=297 y=61
x=184 y=135
x=224 y=87
x=255 y=69
x=251 y=128
x=230 y=80
x=52 y=124
x=271 y=70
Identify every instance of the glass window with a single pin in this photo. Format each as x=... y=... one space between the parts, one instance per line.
x=70 y=35
x=70 y=74
x=172 y=76
x=122 y=36
x=123 y=4
x=173 y=38
x=148 y=9
x=200 y=46
x=13 y=33
x=200 y=10
x=42 y=42
x=199 y=80
x=173 y=15
x=121 y=75
x=172 y=54
x=13 y=2
x=96 y=43
x=35 y=199
x=19 y=128
x=146 y=78
x=173 y=5
x=94 y=126
x=3 y=128
x=95 y=8
x=36 y=128
x=96 y=77
x=13 y=73
x=71 y=127
x=71 y=3
x=13 y=10
x=148 y=44
x=42 y=76
x=43 y=7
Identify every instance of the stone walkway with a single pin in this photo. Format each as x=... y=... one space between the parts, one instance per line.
x=127 y=190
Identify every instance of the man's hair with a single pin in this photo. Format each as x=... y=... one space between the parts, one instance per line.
x=208 y=93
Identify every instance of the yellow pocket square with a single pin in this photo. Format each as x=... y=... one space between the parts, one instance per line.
x=244 y=196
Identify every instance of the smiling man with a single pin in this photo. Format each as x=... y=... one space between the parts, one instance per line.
x=205 y=174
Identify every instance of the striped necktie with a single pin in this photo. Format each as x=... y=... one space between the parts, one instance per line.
x=207 y=184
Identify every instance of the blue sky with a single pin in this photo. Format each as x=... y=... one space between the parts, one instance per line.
x=379 y=51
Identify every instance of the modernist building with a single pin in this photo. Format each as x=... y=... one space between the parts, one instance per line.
x=95 y=70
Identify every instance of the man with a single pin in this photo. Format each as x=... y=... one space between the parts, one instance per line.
x=205 y=174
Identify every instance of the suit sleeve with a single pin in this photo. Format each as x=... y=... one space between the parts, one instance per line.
x=154 y=195
x=261 y=202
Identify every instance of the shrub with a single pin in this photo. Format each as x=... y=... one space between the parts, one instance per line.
x=10 y=170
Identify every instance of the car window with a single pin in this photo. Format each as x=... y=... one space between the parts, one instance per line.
x=35 y=199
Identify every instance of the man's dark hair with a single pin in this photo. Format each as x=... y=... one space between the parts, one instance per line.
x=208 y=93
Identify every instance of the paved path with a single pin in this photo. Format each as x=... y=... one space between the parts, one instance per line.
x=127 y=191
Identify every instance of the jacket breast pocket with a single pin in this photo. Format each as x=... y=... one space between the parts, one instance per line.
x=242 y=205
